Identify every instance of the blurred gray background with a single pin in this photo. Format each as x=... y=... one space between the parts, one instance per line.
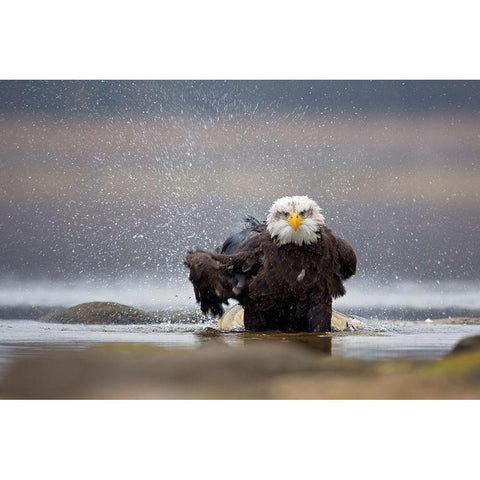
x=105 y=181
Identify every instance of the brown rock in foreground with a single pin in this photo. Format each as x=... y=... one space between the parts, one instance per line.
x=259 y=369
x=145 y=371
x=468 y=344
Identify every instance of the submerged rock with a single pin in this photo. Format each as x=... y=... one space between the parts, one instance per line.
x=232 y=319
x=99 y=313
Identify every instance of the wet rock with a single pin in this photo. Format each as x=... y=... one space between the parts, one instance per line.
x=462 y=365
x=468 y=344
x=99 y=313
x=232 y=319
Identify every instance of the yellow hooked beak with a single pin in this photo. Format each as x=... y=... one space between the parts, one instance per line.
x=294 y=220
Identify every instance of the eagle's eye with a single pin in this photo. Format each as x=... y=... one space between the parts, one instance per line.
x=285 y=214
x=302 y=213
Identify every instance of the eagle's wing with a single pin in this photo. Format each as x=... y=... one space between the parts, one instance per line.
x=347 y=260
x=216 y=277
x=235 y=242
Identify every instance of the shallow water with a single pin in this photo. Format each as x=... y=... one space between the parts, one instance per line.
x=381 y=339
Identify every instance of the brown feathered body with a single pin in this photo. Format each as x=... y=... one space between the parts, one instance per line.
x=281 y=287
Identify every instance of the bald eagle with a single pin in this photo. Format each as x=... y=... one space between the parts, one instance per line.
x=284 y=272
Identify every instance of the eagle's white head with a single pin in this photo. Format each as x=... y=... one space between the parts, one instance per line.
x=295 y=220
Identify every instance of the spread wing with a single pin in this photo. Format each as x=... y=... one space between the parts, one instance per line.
x=217 y=277
x=236 y=242
x=344 y=262
x=347 y=260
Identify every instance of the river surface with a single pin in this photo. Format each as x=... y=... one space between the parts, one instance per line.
x=380 y=340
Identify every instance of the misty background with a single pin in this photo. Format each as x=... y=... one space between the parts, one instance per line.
x=106 y=184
